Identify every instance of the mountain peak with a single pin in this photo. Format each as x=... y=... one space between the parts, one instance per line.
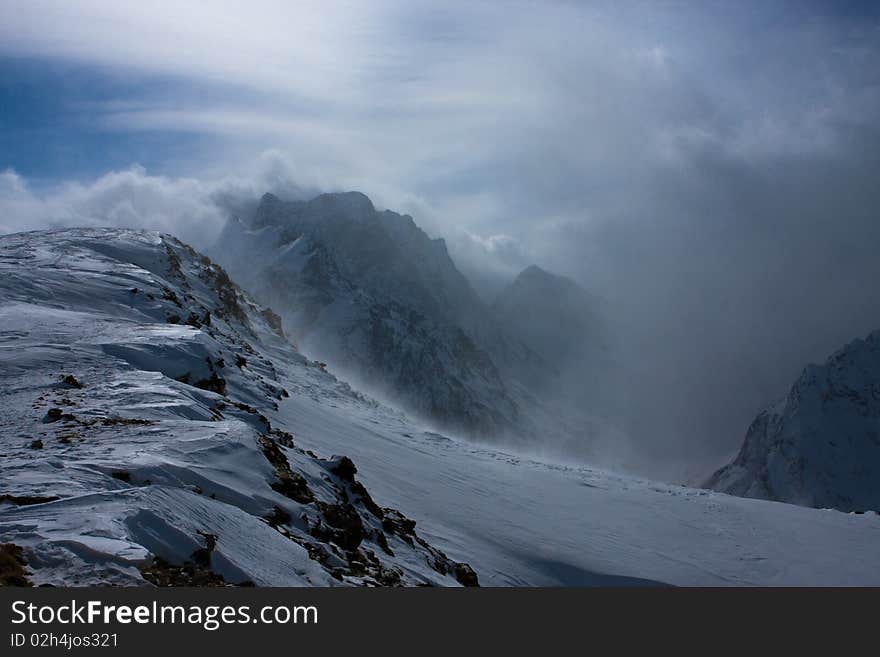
x=535 y=273
x=534 y=270
x=273 y=211
x=817 y=446
x=268 y=210
x=550 y=313
x=533 y=277
x=355 y=205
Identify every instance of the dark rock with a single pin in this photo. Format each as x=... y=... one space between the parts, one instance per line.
x=294 y=487
x=278 y=517
x=202 y=556
x=273 y=320
x=344 y=519
x=398 y=524
x=343 y=467
x=113 y=421
x=289 y=483
x=364 y=498
x=382 y=542
x=27 y=500
x=159 y=572
x=170 y=295
x=71 y=381
x=465 y=575
x=213 y=383
x=12 y=566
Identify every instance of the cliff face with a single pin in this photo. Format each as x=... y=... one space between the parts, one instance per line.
x=820 y=446
x=373 y=296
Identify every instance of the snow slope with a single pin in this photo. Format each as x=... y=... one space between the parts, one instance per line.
x=538 y=304
x=522 y=521
x=563 y=324
x=372 y=295
x=66 y=307
x=820 y=446
x=135 y=380
x=385 y=306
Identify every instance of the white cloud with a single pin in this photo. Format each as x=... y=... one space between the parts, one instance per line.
x=192 y=208
x=12 y=186
x=702 y=167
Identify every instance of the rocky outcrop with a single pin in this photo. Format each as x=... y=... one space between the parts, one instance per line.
x=820 y=446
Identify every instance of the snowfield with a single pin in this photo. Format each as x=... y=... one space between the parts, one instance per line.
x=156 y=427
x=136 y=379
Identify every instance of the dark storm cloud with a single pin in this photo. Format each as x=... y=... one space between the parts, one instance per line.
x=708 y=169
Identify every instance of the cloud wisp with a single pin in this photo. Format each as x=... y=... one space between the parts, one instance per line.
x=707 y=169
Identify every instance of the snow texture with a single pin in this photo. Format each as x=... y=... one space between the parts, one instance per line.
x=136 y=383
x=155 y=426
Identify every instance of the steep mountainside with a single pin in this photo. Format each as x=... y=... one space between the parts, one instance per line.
x=553 y=314
x=372 y=295
x=156 y=427
x=140 y=434
x=820 y=446
x=561 y=321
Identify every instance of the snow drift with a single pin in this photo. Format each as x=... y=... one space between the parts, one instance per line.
x=136 y=383
x=157 y=427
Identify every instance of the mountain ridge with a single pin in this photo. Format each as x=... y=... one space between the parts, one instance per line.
x=148 y=386
x=121 y=442
x=375 y=297
x=820 y=445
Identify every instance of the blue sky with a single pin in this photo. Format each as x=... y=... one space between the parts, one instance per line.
x=51 y=132
x=708 y=168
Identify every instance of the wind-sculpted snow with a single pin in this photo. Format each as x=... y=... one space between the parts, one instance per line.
x=128 y=457
x=820 y=446
x=137 y=385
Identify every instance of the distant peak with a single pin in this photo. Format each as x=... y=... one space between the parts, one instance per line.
x=352 y=203
x=535 y=270
x=269 y=199
x=533 y=277
x=272 y=210
x=533 y=273
x=267 y=210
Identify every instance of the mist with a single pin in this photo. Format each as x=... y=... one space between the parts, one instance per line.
x=706 y=171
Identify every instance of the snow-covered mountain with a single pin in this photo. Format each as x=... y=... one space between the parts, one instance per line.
x=155 y=426
x=820 y=446
x=551 y=313
x=372 y=295
x=562 y=322
x=137 y=387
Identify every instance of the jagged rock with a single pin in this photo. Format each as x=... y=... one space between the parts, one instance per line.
x=412 y=324
x=12 y=566
x=343 y=467
x=215 y=494
x=820 y=445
